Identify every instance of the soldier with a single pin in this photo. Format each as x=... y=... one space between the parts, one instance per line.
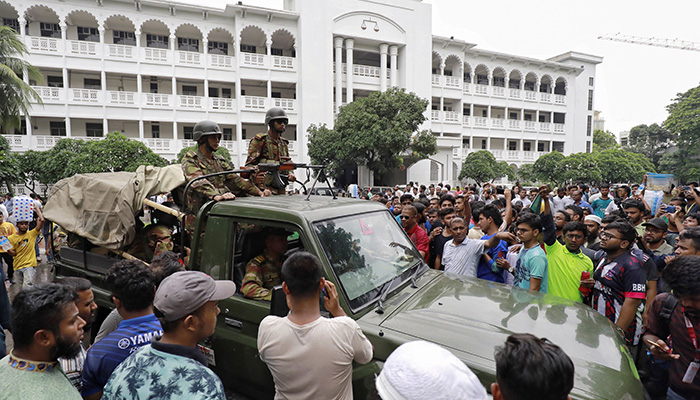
x=271 y=148
x=263 y=272
x=203 y=162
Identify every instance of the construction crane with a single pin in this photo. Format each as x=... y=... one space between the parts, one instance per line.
x=652 y=41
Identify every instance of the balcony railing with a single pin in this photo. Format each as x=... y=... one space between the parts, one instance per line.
x=85 y=95
x=252 y=59
x=435 y=115
x=157 y=99
x=558 y=128
x=497 y=153
x=529 y=125
x=513 y=124
x=285 y=104
x=121 y=97
x=530 y=95
x=451 y=116
x=457 y=152
x=120 y=51
x=497 y=122
x=436 y=80
x=43 y=44
x=188 y=57
x=220 y=103
x=545 y=97
x=49 y=93
x=514 y=93
x=467 y=87
x=481 y=89
x=481 y=121
x=499 y=91
x=453 y=81
x=83 y=47
x=153 y=54
x=529 y=155
x=254 y=102
x=42 y=142
x=282 y=62
x=513 y=155
x=466 y=120
x=220 y=60
x=160 y=145
x=365 y=70
x=545 y=126
x=190 y=101
x=559 y=99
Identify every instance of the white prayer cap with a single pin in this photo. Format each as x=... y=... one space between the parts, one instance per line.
x=423 y=370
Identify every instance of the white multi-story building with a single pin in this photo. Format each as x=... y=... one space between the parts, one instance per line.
x=151 y=69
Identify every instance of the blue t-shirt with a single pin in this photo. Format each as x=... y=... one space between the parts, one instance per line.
x=532 y=263
x=105 y=355
x=492 y=273
x=599 y=205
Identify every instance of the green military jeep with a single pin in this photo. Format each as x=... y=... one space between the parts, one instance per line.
x=387 y=288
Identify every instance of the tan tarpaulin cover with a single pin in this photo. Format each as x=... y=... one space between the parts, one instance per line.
x=101 y=207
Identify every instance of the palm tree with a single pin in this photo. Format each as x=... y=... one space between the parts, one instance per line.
x=15 y=94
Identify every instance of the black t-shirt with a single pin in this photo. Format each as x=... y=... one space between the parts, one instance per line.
x=440 y=242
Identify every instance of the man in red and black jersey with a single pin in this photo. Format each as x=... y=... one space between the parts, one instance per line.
x=620 y=280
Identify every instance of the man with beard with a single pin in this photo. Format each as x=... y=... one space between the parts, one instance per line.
x=620 y=280
x=592 y=222
x=46 y=325
x=73 y=367
x=635 y=211
x=678 y=322
x=655 y=237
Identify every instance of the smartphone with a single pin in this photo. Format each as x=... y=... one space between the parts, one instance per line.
x=671 y=209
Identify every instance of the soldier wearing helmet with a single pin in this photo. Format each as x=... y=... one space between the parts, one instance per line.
x=271 y=148
x=203 y=162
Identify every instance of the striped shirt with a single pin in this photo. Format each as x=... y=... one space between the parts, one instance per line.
x=105 y=355
x=73 y=368
x=463 y=258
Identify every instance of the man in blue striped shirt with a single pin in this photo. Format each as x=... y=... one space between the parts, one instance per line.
x=133 y=288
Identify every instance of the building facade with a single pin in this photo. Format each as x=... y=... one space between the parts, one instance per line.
x=152 y=69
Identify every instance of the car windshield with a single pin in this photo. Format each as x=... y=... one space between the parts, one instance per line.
x=366 y=251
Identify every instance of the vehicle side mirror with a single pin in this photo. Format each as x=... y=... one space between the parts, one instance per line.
x=279 y=302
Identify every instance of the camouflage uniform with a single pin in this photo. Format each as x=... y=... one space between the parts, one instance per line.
x=261 y=275
x=144 y=249
x=263 y=149
x=194 y=165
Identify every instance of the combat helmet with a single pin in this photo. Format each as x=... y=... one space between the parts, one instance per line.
x=204 y=128
x=275 y=113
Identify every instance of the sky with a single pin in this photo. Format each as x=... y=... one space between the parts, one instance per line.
x=634 y=84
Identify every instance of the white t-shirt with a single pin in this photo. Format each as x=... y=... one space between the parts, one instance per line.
x=464 y=258
x=312 y=361
x=559 y=204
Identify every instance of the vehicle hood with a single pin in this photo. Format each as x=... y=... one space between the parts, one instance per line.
x=471 y=317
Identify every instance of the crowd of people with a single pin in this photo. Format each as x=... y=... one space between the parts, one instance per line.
x=603 y=246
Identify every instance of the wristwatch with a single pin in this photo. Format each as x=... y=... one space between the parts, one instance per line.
x=511 y=269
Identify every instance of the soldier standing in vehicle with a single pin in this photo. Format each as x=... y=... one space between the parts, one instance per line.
x=203 y=162
x=271 y=148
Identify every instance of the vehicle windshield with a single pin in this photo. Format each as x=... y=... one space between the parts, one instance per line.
x=366 y=251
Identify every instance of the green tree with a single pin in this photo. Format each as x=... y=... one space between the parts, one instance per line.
x=9 y=172
x=114 y=153
x=550 y=168
x=481 y=166
x=582 y=167
x=221 y=151
x=618 y=165
x=15 y=94
x=374 y=131
x=683 y=123
x=56 y=161
x=526 y=173
x=32 y=167
x=604 y=140
x=652 y=141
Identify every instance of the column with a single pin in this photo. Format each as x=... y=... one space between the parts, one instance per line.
x=175 y=130
x=393 y=53
x=22 y=30
x=137 y=36
x=66 y=85
x=102 y=35
x=139 y=85
x=205 y=52
x=68 y=127
x=441 y=113
x=105 y=127
x=28 y=124
x=383 y=49
x=141 y=135
x=64 y=33
x=268 y=59
x=349 y=46
x=176 y=100
x=338 y=44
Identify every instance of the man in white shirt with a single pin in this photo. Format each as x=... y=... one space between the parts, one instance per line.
x=311 y=357
x=461 y=255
